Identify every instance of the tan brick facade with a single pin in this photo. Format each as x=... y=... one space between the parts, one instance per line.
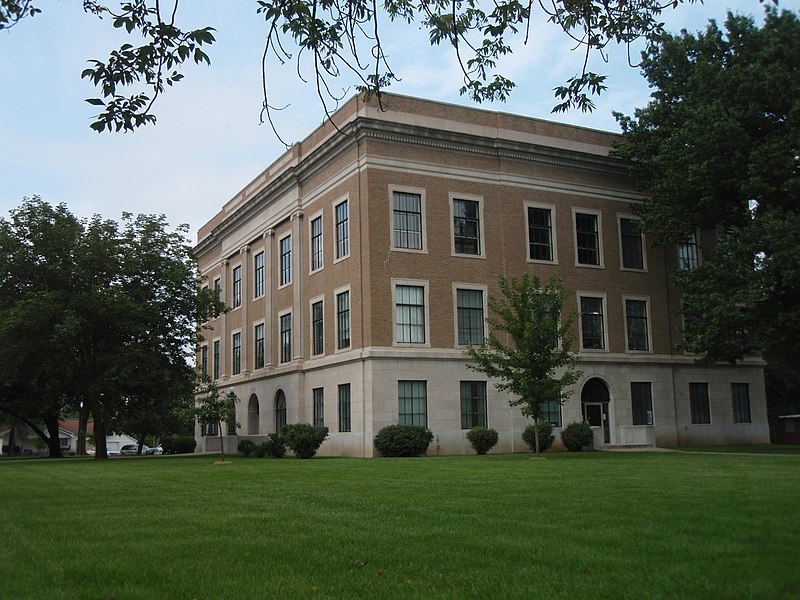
x=507 y=167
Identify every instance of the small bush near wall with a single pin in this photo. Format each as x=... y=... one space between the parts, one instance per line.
x=482 y=439
x=546 y=437
x=304 y=439
x=179 y=444
x=246 y=447
x=577 y=436
x=274 y=447
x=403 y=440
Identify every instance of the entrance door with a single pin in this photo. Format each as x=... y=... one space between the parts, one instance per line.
x=596 y=414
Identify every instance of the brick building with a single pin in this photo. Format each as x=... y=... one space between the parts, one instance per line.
x=359 y=264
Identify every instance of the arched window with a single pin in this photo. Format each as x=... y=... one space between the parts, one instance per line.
x=280 y=410
x=252 y=415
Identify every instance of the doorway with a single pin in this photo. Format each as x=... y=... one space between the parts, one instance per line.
x=594 y=406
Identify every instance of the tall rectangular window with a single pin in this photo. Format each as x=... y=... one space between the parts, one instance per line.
x=413 y=402
x=285 y=247
x=587 y=234
x=319 y=407
x=237 y=286
x=410 y=314
x=469 y=306
x=286 y=337
x=636 y=323
x=642 y=403
x=342 y=230
x=698 y=399
x=344 y=407
x=540 y=234
x=632 y=246
x=551 y=412
x=259 y=345
x=687 y=253
x=592 y=327
x=258 y=275
x=343 y=320
x=216 y=359
x=316 y=243
x=236 y=354
x=466 y=226
x=204 y=360
x=231 y=420
x=473 y=404
x=317 y=329
x=407 y=220
x=218 y=288
x=740 y=396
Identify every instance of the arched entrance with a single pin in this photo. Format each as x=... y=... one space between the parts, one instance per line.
x=280 y=410
x=252 y=415
x=594 y=406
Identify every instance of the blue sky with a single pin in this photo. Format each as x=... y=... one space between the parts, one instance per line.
x=208 y=143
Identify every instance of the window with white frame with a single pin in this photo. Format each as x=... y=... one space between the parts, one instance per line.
x=407 y=220
x=740 y=397
x=258 y=275
x=343 y=320
x=698 y=403
x=216 y=359
x=236 y=353
x=258 y=349
x=237 y=286
x=469 y=316
x=632 y=243
x=285 y=249
x=642 y=403
x=319 y=407
x=473 y=404
x=466 y=226
x=285 y=322
x=344 y=407
x=587 y=238
x=592 y=323
x=541 y=235
x=551 y=412
x=687 y=253
x=636 y=324
x=342 y=217
x=316 y=243
x=409 y=314
x=317 y=329
x=412 y=403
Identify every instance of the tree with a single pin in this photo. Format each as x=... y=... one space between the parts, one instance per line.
x=717 y=150
x=536 y=347
x=95 y=317
x=343 y=38
x=213 y=408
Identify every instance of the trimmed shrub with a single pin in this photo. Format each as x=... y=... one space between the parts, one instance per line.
x=246 y=447
x=577 y=436
x=546 y=437
x=482 y=439
x=403 y=440
x=304 y=439
x=179 y=444
x=274 y=447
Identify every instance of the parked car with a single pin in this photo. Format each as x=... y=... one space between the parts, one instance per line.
x=132 y=449
x=112 y=452
x=156 y=450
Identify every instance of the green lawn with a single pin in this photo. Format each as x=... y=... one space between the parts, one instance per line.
x=595 y=525
x=751 y=449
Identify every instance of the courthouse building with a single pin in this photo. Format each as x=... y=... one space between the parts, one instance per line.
x=359 y=265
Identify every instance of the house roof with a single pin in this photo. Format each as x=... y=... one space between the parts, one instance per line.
x=71 y=425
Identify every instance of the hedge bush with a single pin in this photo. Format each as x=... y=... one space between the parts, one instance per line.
x=482 y=439
x=274 y=446
x=577 y=436
x=179 y=444
x=246 y=447
x=546 y=437
x=304 y=439
x=403 y=440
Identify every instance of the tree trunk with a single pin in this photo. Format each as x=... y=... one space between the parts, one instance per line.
x=83 y=422
x=52 y=441
x=221 y=441
x=101 y=453
x=12 y=440
x=536 y=434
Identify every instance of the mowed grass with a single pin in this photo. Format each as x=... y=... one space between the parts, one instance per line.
x=595 y=525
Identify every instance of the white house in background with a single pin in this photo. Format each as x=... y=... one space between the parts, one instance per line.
x=31 y=444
